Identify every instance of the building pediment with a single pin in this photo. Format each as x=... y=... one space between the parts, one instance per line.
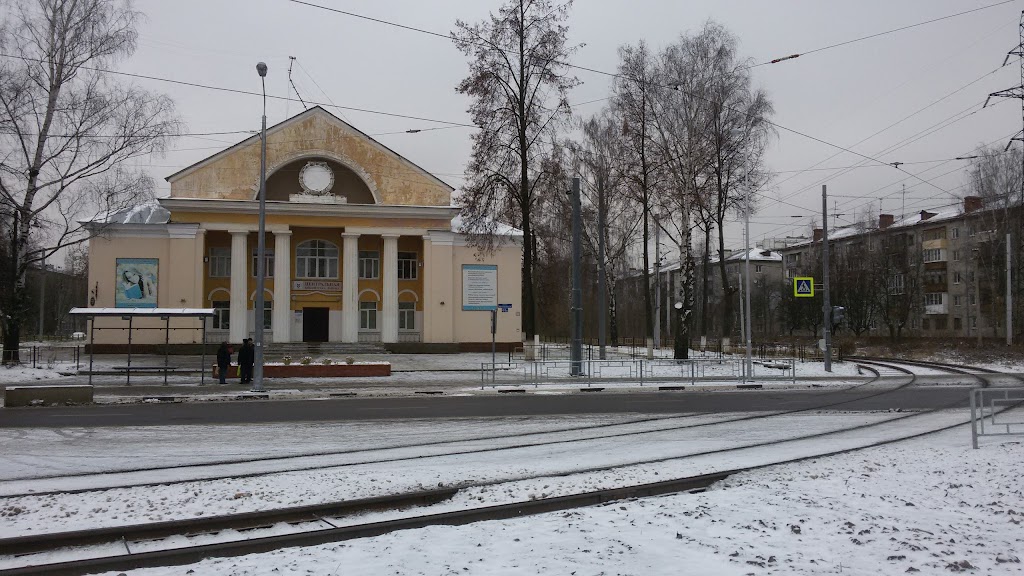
x=305 y=153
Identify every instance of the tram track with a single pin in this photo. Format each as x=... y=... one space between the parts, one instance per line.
x=32 y=544
x=480 y=450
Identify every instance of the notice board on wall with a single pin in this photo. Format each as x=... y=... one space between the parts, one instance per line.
x=479 y=287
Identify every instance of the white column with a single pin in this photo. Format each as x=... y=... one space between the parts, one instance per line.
x=282 y=314
x=389 y=294
x=350 y=288
x=239 y=285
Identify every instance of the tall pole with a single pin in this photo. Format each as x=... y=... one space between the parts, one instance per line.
x=1009 y=293
x=826 y=308
x=261 y=264
x=602 y=295
x=42 y=294
x=576 y=351
x=749 y=366
x=657 y=283
x=743 y=324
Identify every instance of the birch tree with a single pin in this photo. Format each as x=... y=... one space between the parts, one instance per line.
x=67 y=132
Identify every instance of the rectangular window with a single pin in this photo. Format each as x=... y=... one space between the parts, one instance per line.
x=941 y=324
x=406 y=315
x=793 y=259
x=956 y=301
x=369 y=264
x=268 y=262
x=220 y=262
x=221 y=315
x=956 y=278
x=973 y=300
x=757 y=269
x=268 y=314
x=407 y=265
x=956 y=255
x=958 y=323
x=956 y=233
x=896 y=284
x=974 y=322
x=925 y=325
x=367 y=315
x=933 y=299
x=932 y=255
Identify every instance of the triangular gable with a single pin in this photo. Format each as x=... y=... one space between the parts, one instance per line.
x=203 y=185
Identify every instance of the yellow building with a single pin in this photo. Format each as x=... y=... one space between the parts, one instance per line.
x=368 y=243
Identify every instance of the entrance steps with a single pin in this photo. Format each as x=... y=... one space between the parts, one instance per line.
x=274 y=351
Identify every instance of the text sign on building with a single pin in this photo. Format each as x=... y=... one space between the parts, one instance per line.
x=479 y=287
x=803 y=287
x=505 y=307
x=317 y=285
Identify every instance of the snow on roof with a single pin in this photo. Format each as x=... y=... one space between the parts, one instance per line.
x=150 y=212
x=756 y=255
x=915 y=219
x=500 y=229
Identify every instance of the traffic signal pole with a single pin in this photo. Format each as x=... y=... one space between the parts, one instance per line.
x=826 y=308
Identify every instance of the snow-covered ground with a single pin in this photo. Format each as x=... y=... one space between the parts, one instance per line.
x=928 y=506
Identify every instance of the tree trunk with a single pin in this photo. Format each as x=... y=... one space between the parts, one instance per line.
x=705 y=276
x=727 y=290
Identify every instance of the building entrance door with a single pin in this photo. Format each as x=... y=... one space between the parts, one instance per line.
x=315 y=324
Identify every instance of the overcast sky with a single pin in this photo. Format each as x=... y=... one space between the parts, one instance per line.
x=841 y=96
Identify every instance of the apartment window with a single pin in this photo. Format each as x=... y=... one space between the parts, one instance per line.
x=792 y=259
x=221 y=314
x=974 y=322
x=956 y=278
x=367 y=315
x=896 y=284
x=369 y=264
x=935 y=234
x=316 y=259
x=220 y=262
x=933 y=298
x=407 y=265
x=956 y=255
x=406 y=315
x=925 y=324
x=957 y=300
x=757 y=268
x=268 y=262
x=941 y=324
x=973 y=299
x=958 y=323
x=956 y=233
x=932 y=255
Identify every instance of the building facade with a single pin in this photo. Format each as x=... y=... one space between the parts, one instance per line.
x=362 y=245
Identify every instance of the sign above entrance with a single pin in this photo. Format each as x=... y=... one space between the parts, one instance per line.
x=803 y=287
x=479 y=287
x=505 y=307
x=317 y=285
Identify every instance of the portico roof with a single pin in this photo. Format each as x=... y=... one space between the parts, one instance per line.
x=216 y=205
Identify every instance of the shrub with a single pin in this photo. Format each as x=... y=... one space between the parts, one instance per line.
x=326 y=361
x=349 y=360
x=306 y=360
x=287 y=360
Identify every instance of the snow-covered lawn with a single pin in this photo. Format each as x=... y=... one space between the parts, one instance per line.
x=931 y=506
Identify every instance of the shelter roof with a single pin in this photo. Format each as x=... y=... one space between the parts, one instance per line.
x=144 y=312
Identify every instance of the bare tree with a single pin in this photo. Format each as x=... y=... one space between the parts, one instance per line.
x=632 y=101
x=518 y=82
x=66 y=132
x=610 y=217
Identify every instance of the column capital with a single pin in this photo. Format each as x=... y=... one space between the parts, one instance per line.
x=350 y=234
x=280 y=232
x=390 y=235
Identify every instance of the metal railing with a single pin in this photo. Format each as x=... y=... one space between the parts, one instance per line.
x=629 y=370
x=990 y=403
x=43 y=356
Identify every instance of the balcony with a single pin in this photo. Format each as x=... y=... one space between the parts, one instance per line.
x=936 y=308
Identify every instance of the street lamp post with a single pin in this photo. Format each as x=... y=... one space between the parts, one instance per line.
x=261 y=265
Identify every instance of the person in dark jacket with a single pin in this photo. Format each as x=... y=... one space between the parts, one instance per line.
x=223 y=361
x=246 y=360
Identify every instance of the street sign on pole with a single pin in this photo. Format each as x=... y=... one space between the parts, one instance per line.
x=803 y=287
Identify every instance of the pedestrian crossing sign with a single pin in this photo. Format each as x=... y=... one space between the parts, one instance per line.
x=803 y=287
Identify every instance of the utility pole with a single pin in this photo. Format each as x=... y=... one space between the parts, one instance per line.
x=743 y=324
x=826 y=308
x=576 y=351
x=749 y=364
x=1009 y=293
x=657 y=283
x=42 y=293
x=602 y=294
x=1018 y=93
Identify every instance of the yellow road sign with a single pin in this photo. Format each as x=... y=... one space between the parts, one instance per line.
x=803 y=287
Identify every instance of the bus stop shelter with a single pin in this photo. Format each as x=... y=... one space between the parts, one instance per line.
x=129 y=315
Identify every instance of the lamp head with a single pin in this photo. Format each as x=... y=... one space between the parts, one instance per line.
x=679 y=305
x=261 y=68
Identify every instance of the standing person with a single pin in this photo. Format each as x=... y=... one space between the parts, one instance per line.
x=223 y=361
x=246 y=360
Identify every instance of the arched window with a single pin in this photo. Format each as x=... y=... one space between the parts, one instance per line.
x=316 y=259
